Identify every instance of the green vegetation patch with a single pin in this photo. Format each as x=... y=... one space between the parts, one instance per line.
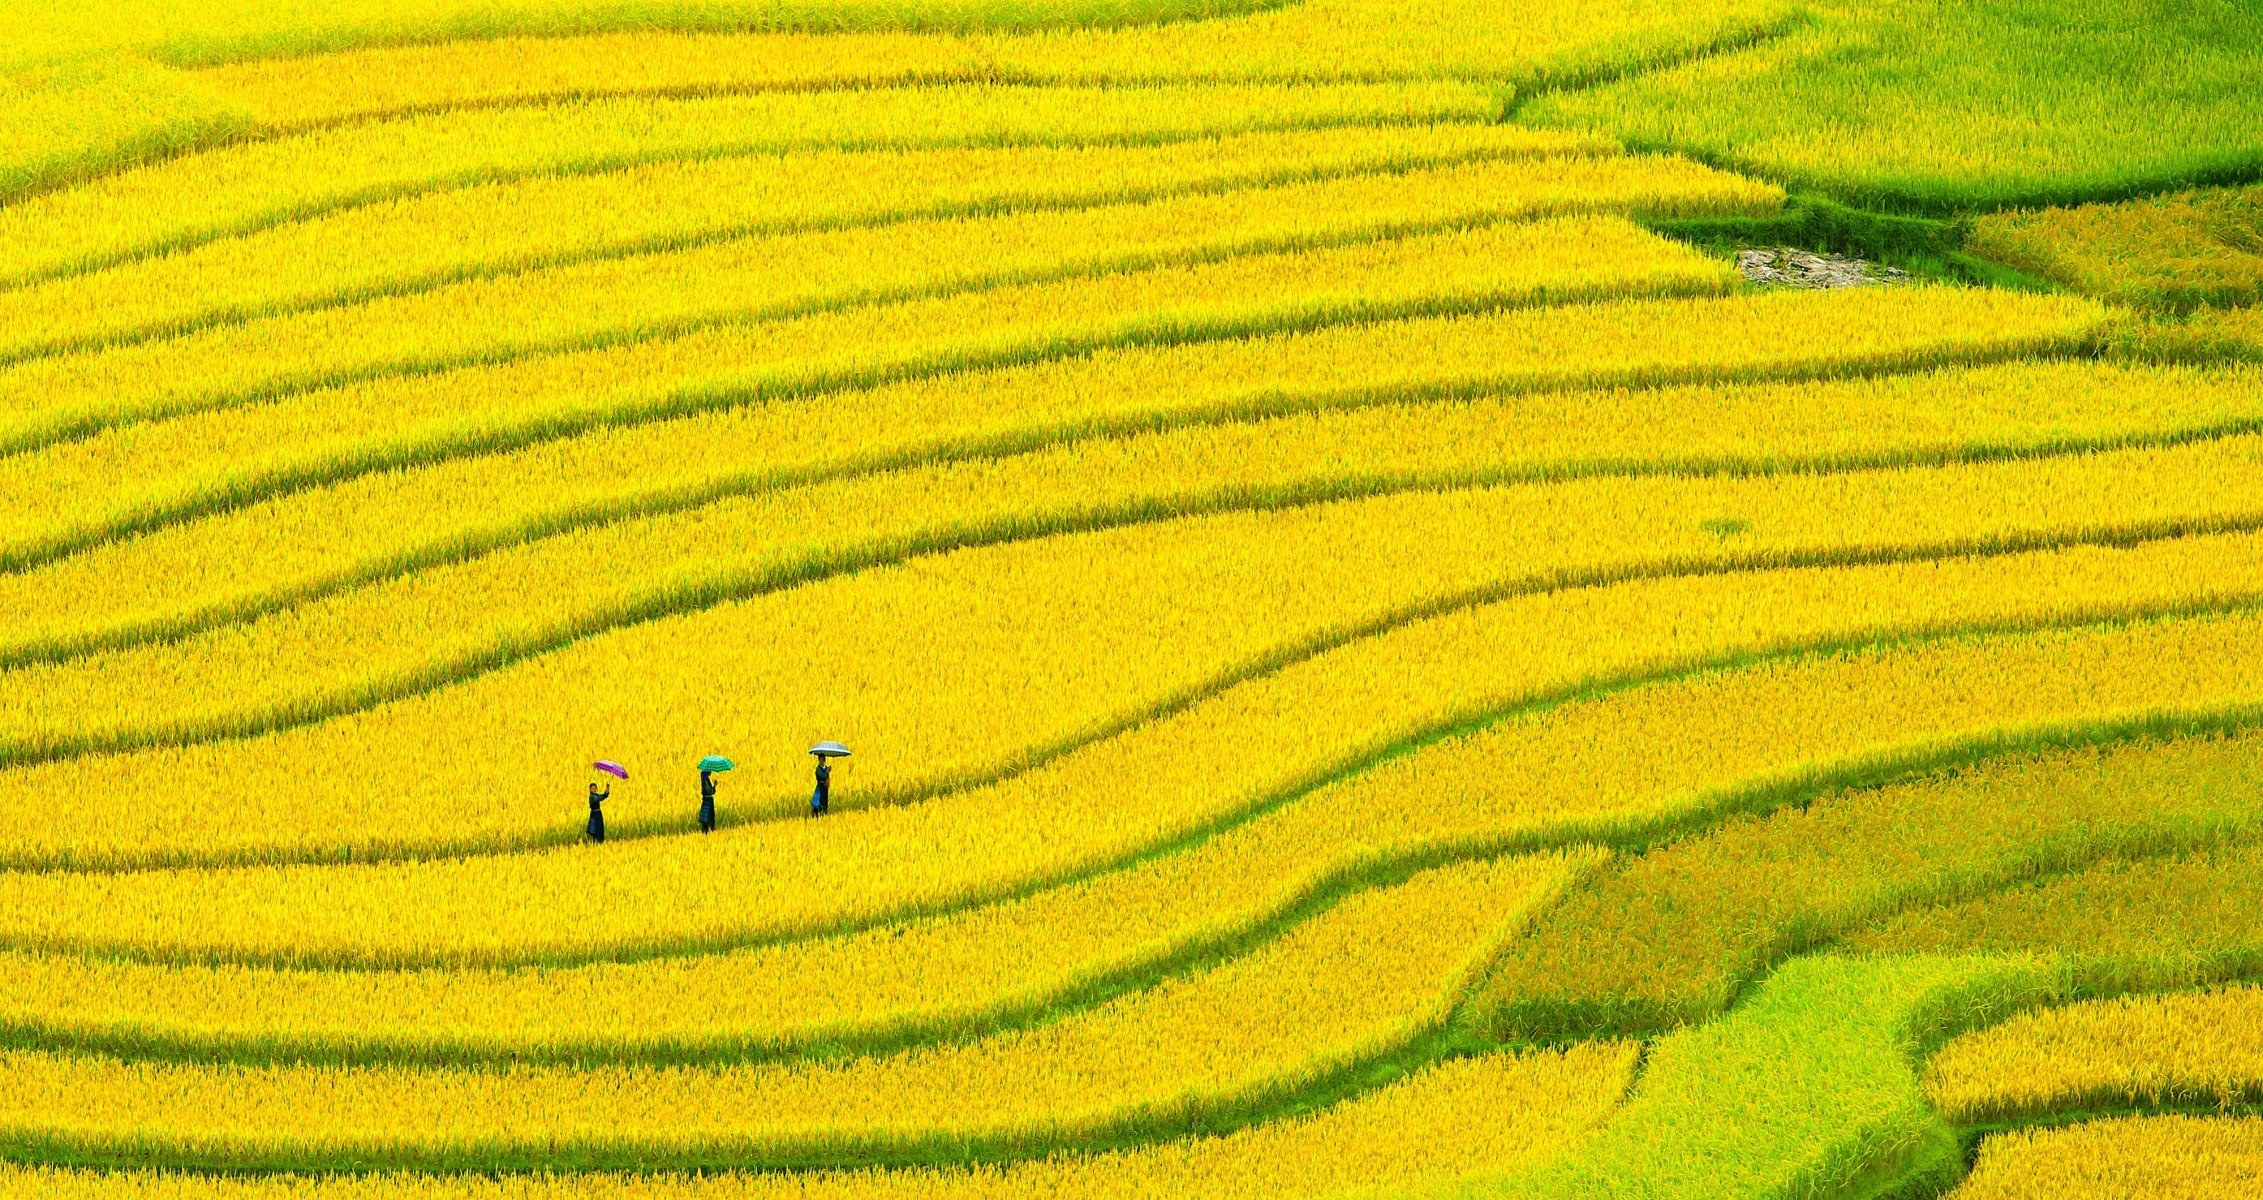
x=2122 y=926
x=2178 y=252
x=1669 y=938
x=1809 y=1089
x=1964 y=103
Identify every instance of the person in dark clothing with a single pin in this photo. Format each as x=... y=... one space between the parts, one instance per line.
x=706 y=802
x=821 y=800
x=596 y=814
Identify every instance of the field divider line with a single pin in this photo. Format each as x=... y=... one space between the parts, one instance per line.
x=1192 y=949
x=78 y=427
x=1254 y=407
x=991 y=73
x=1590 y=76
x=2111 y=1103
x=1420 y=1039
x=191 y=53
x=638 y=247
x=1876 y=200
x=820 y=566
x=985 y=74
x=1624 y=834
x=621 y=163
x=1153 y=333
x=250 y=132
x=1539 y=79
x=1436 y=1032
x=1215 y=942
x=1805 y=935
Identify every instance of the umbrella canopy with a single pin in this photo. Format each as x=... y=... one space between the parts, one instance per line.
x=715 y=762
x=610 y=767
x=829 y=750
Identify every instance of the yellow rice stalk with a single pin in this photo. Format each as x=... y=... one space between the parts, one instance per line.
x=243 y=187
x=2180 y=250
x=1362 y=979
x=2168 y=1157
x=1111 y=800
x=351 y=530
x=419 y=241
x=954 y=266
x=1463 y=1116
x=1464 y=795
x=1047 y=639
x=2194 y=1047
x=1317 y=41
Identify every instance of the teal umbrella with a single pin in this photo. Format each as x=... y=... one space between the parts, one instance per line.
x=715 y=762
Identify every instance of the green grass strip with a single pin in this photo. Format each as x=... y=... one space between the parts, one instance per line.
x=1807 y=1089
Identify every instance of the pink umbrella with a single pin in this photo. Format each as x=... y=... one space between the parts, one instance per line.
x=611 y=768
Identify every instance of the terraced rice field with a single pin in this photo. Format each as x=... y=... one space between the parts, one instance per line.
x=1377 y=663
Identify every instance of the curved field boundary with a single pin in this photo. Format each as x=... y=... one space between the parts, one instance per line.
x=1806 y=1089
x=2121 y=927
x=1251 y=159
x=166 y=1035
x=1751 y=897
x=47 y=898
x=189 y=39
x=263 y=100
x=782 y=542
x=1416 y=1131
x=1175 y=953
x=1260 y=1045
x=2162 y=1150
x=1773 y=365
x=354 y=86
x=779 y=143
x=1287 y=490
x=1345 y=293
x=93 y=406
x=1292 y=653
x=2095 y=1055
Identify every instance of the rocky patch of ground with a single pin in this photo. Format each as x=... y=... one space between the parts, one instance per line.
x=1783 y=266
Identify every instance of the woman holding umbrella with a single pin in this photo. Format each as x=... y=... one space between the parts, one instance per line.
x=707 y=768
x=596 y=814
x=821 y=800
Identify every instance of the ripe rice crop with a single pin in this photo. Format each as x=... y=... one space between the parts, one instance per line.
x=1362 y=979
x=2168 y=1157
x=238 y=189
x=177 y=571
x=417 y=242
x=1307 y=43
x=774 y=537
x=2183 y=1048
x=2235 y=334
x=2145 y=925
x=2178 y=251
x=288 y=28
x=1471 y=795
x=1058 y=632
x=1462 y=1117
x=1346 y=600
x=1102 y=804
x=950 y=271
x=1671 y=937
x=355 y=641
